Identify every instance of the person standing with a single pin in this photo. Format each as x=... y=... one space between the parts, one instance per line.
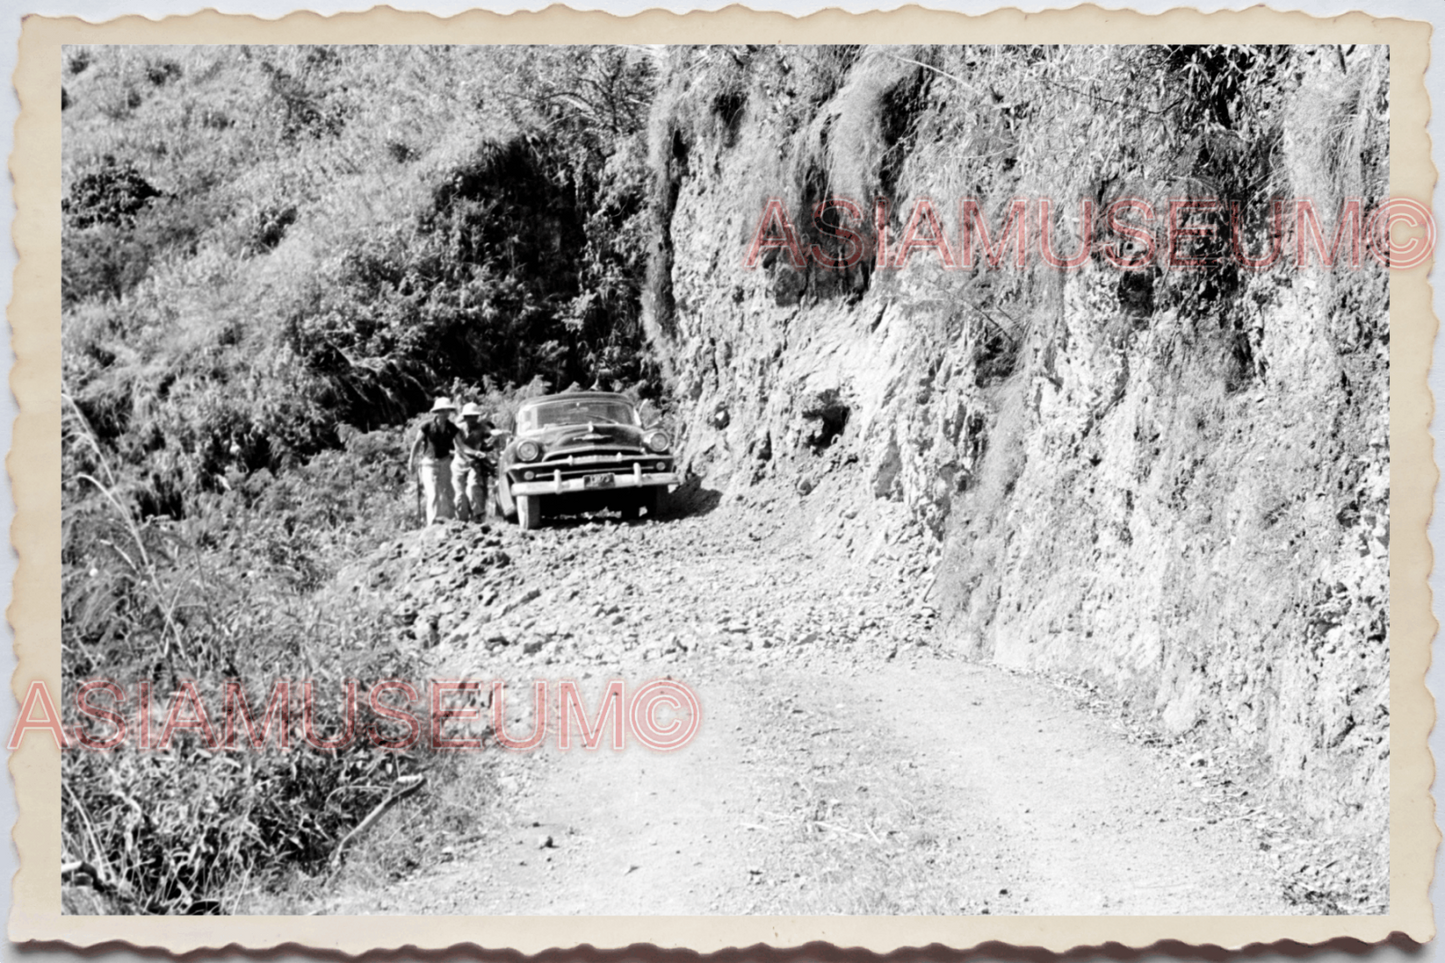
x=434 y=445
x=471 y=466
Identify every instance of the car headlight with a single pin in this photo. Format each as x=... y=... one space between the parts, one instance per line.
x=529 y=451
x=658 y=441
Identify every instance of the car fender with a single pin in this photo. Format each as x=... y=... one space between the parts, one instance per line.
x=506 y=504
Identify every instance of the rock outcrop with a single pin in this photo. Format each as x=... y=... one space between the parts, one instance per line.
x=1172 y=484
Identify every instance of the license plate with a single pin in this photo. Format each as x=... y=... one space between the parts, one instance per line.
x=599 y=481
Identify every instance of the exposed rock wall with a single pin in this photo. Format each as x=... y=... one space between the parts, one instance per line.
x=1173 y=484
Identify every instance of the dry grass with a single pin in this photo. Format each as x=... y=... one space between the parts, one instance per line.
x=228 y=593
x=1333 y=126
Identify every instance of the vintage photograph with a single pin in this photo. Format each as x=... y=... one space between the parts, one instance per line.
x=757 y=480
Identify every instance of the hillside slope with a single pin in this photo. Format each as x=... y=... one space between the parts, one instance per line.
x=272 y=259
x=1172 y=484
x=265 y=244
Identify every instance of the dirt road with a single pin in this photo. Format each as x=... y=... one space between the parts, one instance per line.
x=844 y=763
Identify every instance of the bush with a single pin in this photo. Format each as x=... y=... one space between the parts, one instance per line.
x=112 y=194
x=76 y=61
x=238 y=590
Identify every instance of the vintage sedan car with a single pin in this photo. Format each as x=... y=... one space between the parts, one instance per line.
x=582 y=451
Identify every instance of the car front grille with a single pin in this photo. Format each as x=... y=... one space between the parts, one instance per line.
x=590 y=459
x=592 y=462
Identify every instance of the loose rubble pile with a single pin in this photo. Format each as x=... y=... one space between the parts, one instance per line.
x=600 y=591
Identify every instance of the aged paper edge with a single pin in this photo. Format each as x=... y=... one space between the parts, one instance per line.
x=34 y=466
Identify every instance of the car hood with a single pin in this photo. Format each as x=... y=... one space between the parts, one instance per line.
x=585 y=436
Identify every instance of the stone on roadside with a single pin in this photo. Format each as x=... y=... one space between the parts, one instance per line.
x=425 y=631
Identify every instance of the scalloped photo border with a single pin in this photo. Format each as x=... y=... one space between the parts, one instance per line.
x=34 y=465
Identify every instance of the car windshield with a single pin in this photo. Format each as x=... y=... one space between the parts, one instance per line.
x=580 y=412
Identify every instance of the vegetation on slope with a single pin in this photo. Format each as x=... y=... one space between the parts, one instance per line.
x=273 y=257
x=262 y=244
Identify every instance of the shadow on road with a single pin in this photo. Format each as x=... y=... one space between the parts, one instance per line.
x=692 y=498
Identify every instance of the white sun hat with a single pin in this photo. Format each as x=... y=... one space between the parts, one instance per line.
x=471 y=408
x=442 y=404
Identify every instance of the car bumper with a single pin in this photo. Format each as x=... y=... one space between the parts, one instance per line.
x=557 y=485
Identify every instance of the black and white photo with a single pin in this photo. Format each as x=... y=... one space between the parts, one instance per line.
x=753 y=479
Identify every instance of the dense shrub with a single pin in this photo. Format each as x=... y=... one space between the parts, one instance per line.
x=238 y=590
x=111 y=194
x=77 y=59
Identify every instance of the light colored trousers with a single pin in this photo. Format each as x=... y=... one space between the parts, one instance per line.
x=436 y=486
x=468 y=491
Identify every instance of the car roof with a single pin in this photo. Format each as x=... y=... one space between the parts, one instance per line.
x=577 y=396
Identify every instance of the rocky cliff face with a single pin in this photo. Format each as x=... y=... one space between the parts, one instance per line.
x=1170 y=484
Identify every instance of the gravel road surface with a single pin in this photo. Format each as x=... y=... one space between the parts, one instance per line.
x=845 y=761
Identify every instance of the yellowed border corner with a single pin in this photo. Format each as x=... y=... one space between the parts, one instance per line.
x=34 y=465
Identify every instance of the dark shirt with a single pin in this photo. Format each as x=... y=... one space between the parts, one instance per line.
x=479 y=440
x=436 y=443
x=480 y=437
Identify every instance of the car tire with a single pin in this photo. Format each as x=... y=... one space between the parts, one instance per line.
x=529 y=512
